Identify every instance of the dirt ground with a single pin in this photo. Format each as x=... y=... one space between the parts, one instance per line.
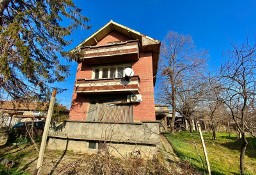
x=54 y=161
x=67 y=162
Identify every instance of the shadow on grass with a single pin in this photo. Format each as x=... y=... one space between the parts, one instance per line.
x=186 y=160
x=60 y=159
x=217 y=173
x=27 y=165
x=237 y=143
x=17 y=150
x=228 y=137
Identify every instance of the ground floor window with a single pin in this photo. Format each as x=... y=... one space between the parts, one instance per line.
x=92 y=145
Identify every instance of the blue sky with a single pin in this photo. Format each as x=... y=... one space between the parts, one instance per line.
x=213 y=24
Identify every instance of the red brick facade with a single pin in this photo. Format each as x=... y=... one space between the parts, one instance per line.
x=143 y=111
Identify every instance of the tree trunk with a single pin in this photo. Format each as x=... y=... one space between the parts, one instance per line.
x=242 y=153
x=228 y=130
x=239 y=135
x=172 y=124
x=186 y=124
x=173 y=107
x=214 y=133
x=195 y=125
x=190 y=125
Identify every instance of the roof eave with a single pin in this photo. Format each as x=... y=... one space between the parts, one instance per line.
x=111 y=25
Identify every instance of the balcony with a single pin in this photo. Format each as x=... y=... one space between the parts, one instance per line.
x=136 y=133
x=117 y=85
x=114 y=52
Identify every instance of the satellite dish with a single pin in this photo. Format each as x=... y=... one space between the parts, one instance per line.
x=128 y=72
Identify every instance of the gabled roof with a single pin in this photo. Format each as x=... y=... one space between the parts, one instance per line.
x=147 y=44
x=113 y=26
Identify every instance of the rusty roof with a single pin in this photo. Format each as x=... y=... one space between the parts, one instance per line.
x=23 y=106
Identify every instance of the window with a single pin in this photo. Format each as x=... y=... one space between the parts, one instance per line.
x=92 y=145
x=96 y=73
x=120 y=72
x=112 y=72
x=105 y=72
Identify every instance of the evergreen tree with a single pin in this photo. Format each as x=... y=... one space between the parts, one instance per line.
x=32 y=39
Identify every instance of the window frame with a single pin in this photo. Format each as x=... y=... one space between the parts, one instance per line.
x=109 y=71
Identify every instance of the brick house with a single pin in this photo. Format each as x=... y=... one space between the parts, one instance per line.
x=114 y=88
x=101 y=87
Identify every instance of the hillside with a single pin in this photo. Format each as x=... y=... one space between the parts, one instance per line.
x=223 y=153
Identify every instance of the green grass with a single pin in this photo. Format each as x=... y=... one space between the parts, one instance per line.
x=223 y=153
x=11 y=171
x=17 y=154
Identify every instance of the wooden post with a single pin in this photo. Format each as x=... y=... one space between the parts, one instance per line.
x=165 y=123
x=186 y=125
x=204 y=147
x=10 y=123
x=45 y=134
x=193 y=125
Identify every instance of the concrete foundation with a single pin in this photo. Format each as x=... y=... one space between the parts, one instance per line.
x=119 y=139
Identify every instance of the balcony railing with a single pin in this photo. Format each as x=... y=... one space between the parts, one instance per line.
x=128 y=51
x=108 y=85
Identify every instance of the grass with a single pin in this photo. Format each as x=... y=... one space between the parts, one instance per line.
x=223 y=153
x=16 y=154
x=11 y=171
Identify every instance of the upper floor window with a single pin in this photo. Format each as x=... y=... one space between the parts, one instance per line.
x=105 y=72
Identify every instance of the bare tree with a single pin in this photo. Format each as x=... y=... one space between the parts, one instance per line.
x=214 y=108
x=179 y=64
x=251 y=119
x=238 y=79
x=190 y=96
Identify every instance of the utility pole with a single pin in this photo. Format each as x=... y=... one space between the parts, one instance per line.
x=45 y=134
x=204 y=147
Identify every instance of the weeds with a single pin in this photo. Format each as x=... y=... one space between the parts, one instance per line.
x=104 y=163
